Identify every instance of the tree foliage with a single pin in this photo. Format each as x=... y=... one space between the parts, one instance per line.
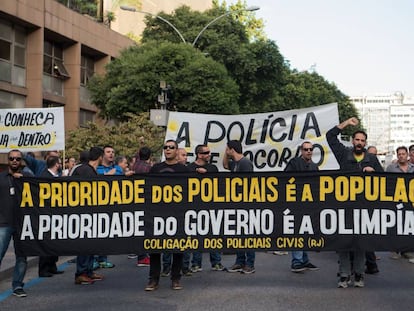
x=254 y=26
x=126 y=137
x=131 y=82
x=81 y=6
x=256 y=66
x=259 y=70
x=228 y=70
x=305 y=89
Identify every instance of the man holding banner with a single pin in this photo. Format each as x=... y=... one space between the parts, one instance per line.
x=47 y=264
x=84 y=274
x=355 y=159
x=202 y=165
x=8 y=196
x=170 y=165
x=234 y=161
x=300 y=259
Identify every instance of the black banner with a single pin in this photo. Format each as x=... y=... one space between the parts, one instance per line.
x=320 y=211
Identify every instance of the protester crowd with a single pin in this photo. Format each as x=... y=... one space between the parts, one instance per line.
x=352 y=265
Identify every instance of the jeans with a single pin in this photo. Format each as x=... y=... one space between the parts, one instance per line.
x=84 y=265
x=347 y=264
x=197 y=259
x=215 y=258
x=186 y=261
x=20 y=266
x=299 y=258
x=101 y=258
x=245 y=258
x=166 y=259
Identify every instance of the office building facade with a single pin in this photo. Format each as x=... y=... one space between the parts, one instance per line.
x=388 y=120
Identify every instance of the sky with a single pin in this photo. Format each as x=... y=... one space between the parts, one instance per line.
x=365 y=47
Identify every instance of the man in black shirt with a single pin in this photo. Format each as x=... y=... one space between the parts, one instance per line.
x=170 y=165
x=352 y=159
x=7 y=209
x=47 y=264
x=300 y=259
x=201 y=165
x=84 y=263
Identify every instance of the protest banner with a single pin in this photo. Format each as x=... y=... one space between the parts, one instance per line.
x=321 y=211
x=269 y=139
x=32 y=129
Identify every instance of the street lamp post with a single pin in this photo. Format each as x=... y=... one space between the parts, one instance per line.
x=252 y=8
x=132 y=9
x=160 y=116
x=128 y=8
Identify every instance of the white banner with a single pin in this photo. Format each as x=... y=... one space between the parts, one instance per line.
x=269 y=140
x=36 y=129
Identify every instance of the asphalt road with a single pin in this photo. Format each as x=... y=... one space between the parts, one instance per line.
x=272 y=287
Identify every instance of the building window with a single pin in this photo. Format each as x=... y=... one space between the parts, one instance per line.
x=10 y=100
x=84 y=95
x=87 y=69
x=53 y=61
x=12 y=54
x=54 y=71
x=49 y=104
x=86 y=116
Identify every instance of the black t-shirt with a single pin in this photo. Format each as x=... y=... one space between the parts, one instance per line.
x=8 y=197
x=168 y=168
x=84 y=170
x=299 y=164
x=208 y=167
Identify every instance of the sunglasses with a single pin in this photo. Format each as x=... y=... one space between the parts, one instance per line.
x=168 y=147
x=204 y=152
x=15 y=158
x=307 y=149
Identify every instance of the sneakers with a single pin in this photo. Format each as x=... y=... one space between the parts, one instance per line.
x=83 y=279
x=96 y=277
x=344 y=281
x=132 y=256
x=196 y=269
x=298 y=268
x=187 y=272
x=311 y=267
x=19 y=292
x=176 y=285
x=143 y=262
x=359 y=280
x=166 y=270
x=218 y=267
x=395 y=255
x=235 y=268
x=151 y=286
x=106 y=264
x=280 y=253
x=303 y=267
x=371 y=271
x=248 y=270
x=411 y=260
